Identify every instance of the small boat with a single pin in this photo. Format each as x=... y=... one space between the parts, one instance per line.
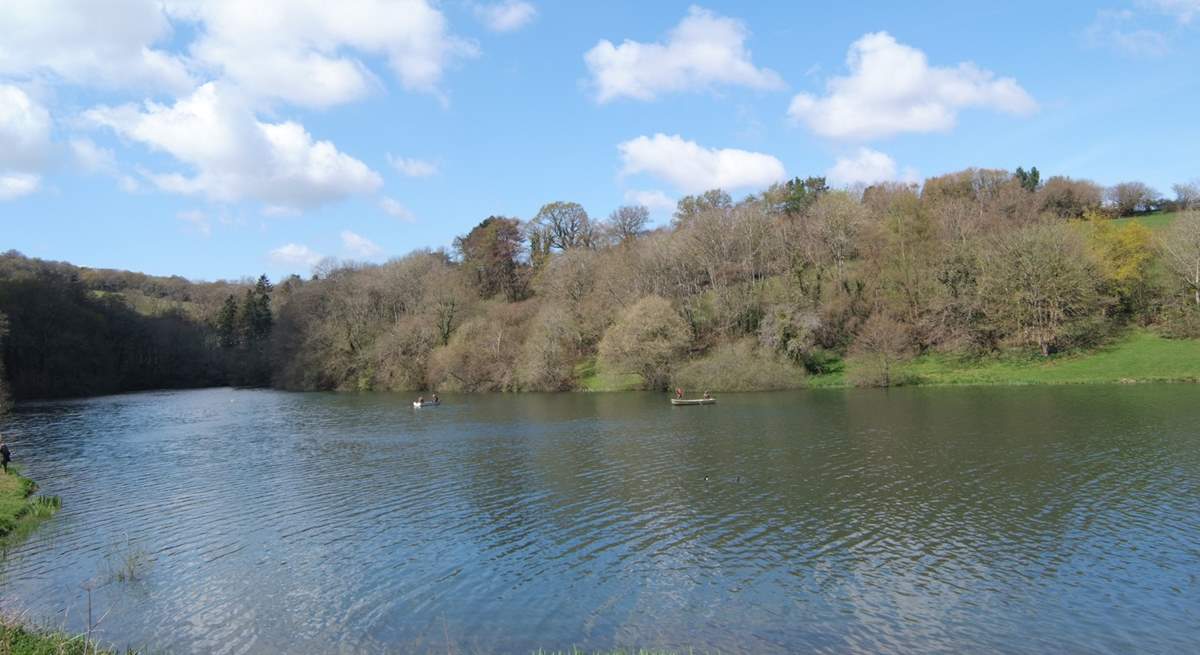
x=693 y=401
x=428 y=403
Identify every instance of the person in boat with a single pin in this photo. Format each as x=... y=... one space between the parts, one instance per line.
x=436 y=400
x=679 y=392
x=707 y=395
x=420 y=400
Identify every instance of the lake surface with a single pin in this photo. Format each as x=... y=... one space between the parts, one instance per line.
x=1014 y=520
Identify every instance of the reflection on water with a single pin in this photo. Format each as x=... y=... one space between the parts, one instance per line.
x=1024 y=520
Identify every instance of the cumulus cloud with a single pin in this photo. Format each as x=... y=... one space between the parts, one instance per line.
x=506 y=16
x=692 y=168
x=303 y=52
x=107 y=44
x=892 y=89
x=197 y=220
x=703 y=51
x=1184 y=11
x=91 y=157
x=294 y=254
x=360 y=246
x=24 y=142
x=412 y=167
x=396 y=210
x=868 y=166
x=655 y=201
x=234 y=156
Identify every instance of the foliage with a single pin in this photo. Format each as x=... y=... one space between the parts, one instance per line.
x=490 y=255
x=1039 y=286
x=1030 y=180
x=646 y=339
x=740 y=366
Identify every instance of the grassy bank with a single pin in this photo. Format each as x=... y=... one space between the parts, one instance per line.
x=20 y=510
x=19 y=639
x=1140 y=356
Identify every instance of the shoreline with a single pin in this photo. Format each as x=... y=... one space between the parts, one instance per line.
x=21 y=511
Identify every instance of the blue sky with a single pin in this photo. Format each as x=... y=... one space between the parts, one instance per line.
x=224 y=139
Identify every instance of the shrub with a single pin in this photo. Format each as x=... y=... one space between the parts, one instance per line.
x=740 y=366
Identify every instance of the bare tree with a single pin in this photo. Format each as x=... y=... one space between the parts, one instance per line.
x=1131 y=197
x=563 y=225
x=1187 y=195
x=628 y=222
x=1180 y=246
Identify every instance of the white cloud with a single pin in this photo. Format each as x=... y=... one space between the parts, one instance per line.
x=24 y=142
x=303 y=52
x=655 y=201
x=867 y=166
x=234 y=156
x=198 y=221
x=24 y=131
x=91 y=157
x=703 y=51
x=360 y=246
x=692 y=168
x=1111 y=29
x=396 y=210
x=15 y=185
x=1183 y=10
x=294 y=254
x=412 y=167
x=892 y=89
x=506 y=16
x=106 y=44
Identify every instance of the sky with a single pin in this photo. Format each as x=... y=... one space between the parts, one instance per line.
x=223 y=139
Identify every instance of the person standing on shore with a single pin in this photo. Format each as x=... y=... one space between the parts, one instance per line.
x=5 y=454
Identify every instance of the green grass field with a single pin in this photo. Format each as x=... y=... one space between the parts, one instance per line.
x=1141 y=356
x=590 y=378
x=1153 y=221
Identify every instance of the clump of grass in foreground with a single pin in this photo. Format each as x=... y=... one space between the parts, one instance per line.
x=20 y=510
x=17 y=638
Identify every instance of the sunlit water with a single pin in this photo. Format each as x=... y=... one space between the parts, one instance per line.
x=1021 y=520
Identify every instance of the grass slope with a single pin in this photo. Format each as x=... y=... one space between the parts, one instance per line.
x=1140 y=357
x=1153 y=221
x=589 y=377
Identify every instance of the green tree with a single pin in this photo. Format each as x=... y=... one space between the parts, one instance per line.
x=226 y=323
x=1030 y=180
x=1039 y=286
x=797 y=195
x=647 y=339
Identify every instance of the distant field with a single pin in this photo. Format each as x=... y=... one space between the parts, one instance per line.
x=1152 y=221
x=1140 y=357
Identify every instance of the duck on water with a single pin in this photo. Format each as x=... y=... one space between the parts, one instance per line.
x=421 y=402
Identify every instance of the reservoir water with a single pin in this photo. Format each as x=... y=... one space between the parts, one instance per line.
x=932 y=520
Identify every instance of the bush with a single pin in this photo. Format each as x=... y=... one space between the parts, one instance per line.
x=740 y=366
x=646 y=339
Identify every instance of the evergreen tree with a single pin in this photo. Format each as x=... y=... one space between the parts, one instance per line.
x=227 y=323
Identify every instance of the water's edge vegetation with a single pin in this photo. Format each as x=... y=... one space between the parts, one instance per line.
x=20 y=509
x=976 y=277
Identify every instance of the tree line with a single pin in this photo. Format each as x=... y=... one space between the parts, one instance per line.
x=797 y=280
